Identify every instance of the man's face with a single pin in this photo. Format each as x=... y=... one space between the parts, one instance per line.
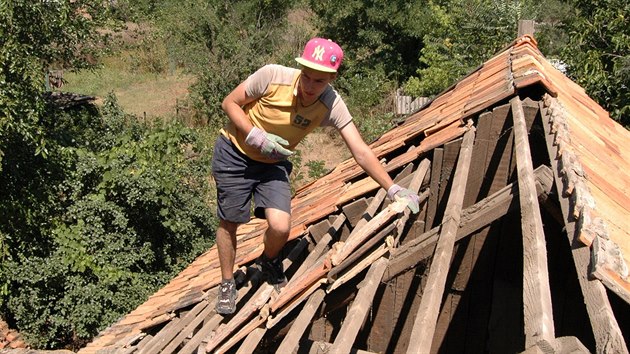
x=313 y=83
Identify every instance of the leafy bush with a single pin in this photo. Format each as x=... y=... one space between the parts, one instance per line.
x=598 y=54
x=113 y=214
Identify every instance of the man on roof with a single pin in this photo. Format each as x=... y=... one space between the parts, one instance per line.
x=269 y=114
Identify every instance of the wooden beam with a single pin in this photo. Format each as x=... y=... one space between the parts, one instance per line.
x=359 y=309
x=473 y=218
x=424 y=325
x=168 y=334
x=536 y=292
x=295 y=302
x=303 y=320
x=256 y=323
x=363 y=263
x=360 y=234
x=608 y=336
x=357 y=255
x=319 y=347
x=434 y=186
x=257 y=301
x=354 y=210
x=321 y=247
x=252 y=341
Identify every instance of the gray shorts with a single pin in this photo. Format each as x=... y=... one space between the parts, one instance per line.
x=238 y=178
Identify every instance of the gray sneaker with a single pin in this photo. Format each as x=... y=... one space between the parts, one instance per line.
x=226 y=301
x=272 y=271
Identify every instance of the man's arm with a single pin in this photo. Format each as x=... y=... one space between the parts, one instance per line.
x=233 y=104
x=270 y=145
x=365 y=156
x=367 y=160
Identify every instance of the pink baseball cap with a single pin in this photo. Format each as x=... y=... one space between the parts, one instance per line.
x=322 y=55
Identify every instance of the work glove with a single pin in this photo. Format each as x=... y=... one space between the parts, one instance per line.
x=396 y=192
x=269 y=145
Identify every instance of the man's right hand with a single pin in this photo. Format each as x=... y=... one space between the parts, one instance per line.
x=269 y=145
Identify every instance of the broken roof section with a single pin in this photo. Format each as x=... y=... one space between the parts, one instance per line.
x=464 y=155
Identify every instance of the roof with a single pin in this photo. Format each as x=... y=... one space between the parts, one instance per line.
x=10 y=338
x=590 y=164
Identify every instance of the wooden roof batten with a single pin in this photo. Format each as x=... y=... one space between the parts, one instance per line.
x=371 y=243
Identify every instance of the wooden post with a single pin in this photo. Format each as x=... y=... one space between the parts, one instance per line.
x=303 y=320
x=525 y=27
x=426 y=318
x=536 y=292
x=359 y=310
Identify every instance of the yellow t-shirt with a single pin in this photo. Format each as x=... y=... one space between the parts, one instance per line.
x=276 y=109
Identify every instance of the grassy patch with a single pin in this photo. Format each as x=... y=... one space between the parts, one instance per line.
x=138 y=92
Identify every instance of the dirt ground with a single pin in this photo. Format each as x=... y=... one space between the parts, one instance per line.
x=324 y=144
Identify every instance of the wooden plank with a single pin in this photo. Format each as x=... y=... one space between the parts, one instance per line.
x=363 y=263
x=414 y=185
x=359 y=235
x=480 y=153
x=417 y=178
x=536 y=292
x=272 y=321
x=257 y=301
x=303 y=320
x=608 y=336
x=256 y=323
x=473 y=218
x=319 y=347
x=320 y=229
x=252 y=341
x=388 y=325
x=451 y=151
x=192 y=324
x=296 y=285
x=359 y=309
x=167 y=335
x=334 y=273
x=434 y=186
x=424 y=326
x=354 y=210
x=320 y=248
x=201 y=335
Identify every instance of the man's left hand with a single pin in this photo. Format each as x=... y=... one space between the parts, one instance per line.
x=397 y=192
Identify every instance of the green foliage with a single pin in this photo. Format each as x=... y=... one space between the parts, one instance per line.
x=466 y=33
x=316 y=169
x=375 y=34
x=598 y=54
x=115 y=212
x=35 y=36
x=367 y=96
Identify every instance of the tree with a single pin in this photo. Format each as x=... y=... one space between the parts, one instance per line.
x=97 y=211
x=465 y=34
x=36 y=36
x=598 y=54
x=376 y=34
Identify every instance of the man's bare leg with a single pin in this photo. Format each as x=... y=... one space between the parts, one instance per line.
x=277 y=233
x=226 y=245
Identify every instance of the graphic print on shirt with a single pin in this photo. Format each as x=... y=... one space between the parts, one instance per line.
x=300 y=122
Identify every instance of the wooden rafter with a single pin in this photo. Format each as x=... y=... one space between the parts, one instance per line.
x=536 y=292
x=424 y=325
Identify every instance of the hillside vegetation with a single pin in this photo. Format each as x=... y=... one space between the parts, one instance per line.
x=100 y=205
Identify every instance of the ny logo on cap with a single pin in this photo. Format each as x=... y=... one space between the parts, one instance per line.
x=318 y=53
